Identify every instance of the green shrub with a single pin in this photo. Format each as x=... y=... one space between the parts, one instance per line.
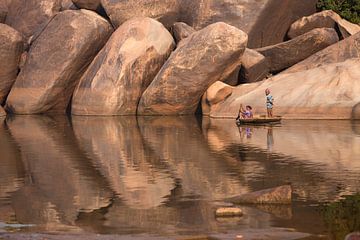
x=348 y=9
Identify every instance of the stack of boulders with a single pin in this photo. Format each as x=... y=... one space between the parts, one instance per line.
x=152 y=57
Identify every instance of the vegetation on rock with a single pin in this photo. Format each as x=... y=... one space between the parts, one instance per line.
x=348 y=9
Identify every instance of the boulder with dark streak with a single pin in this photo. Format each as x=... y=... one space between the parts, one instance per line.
x=286 y=54
x=203 y=58
x=30 y=16
x=120 y=73
x=11 y=48
x=56 y=61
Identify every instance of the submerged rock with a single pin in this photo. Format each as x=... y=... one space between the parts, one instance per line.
x=327 y=92
x=56 y=61
x=30 y=16
x=205 y=57
x=119 y=11
x=11 y=47
x=120 y=73
x=254 y=67
x=325 y=19
x=286 y=54
x=278 y=195
x=181 y=31
x=338 y=52
x=228 y=212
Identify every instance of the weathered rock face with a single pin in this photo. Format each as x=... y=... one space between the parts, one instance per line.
x=67 y=5
x=56 y=62
x=31 y=16
x=284 y=55
x=116 y=79
x=254 y=67
x=325 y=19
x=326 y=92
x=265 y=21
x=205 y=57
x=2 y=112
x=11 y=47
x=3 y=11
x=216 y=93
x=338 y=52
x=88 y=4
x=278 y=195
x=181 y=31
x=119 y=11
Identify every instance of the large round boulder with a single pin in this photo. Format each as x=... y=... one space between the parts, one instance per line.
x=119 y=11
x=30 y=16
x=203 y=58
x=11 y=48
x=286 y=54
x=120 y=73
x=56 y=61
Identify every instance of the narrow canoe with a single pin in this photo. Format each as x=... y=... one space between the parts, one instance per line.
x=258 y=120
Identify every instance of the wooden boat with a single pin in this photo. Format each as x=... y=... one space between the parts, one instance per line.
x=258 y=120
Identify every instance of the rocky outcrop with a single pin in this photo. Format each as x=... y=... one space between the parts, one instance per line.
x=254 y=67
x=324 y=19
x=116 y=79
x=11 y=47
x=278 y=195
x=88 y=4
x=216 y=93
x=265 y=21
x=56 y=61
x=338 y=52
x=30 y=16
x=286 y=54
x=181 y=31
x=119 y=11
x=205 y=57
x=326 y=92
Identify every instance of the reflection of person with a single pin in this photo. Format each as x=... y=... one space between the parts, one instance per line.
x=269 y=103
x=270 y=139
x=245 y=113
x=248 y=133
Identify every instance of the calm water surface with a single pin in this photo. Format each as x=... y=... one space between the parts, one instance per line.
x=166 y=175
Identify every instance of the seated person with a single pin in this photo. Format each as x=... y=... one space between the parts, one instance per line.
x=245 y=113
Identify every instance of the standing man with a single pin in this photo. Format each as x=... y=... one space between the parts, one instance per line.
x=269 y=103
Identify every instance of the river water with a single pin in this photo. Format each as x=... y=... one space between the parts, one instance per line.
x=165 y=176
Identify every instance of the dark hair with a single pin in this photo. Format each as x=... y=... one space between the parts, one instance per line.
x=248 y=106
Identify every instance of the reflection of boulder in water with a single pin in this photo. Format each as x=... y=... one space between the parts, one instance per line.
x=117 y=150
x=356 y=112
x=59 y=180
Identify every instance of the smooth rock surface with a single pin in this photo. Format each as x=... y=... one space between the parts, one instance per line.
x=11 y=48
x=338 y=52
x=56 y=61
x=30 y=16
x=88 y=4
x=119 y=11
x=228 y=212
x=120 y=73
x=181 y=31
x=205 y=57
x=265 y=21
x=254 y=67
x=277 y=195
x=286 y=54
x=327 y=92
x=324 y=19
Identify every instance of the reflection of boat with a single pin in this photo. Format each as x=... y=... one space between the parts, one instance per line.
x=258 y=120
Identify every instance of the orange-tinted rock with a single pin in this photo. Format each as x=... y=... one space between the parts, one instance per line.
x=338 y=52
x=11 y=47
x=278 y=195
x=265 y=21
x=286 y=54
x=325 y=19
x=31 y=16
x=254 y=67
x=88 y=4
x=56 y=61
x=203 y=58
x=181 y=31
x=116 y=79
x=327 y=92
x=119 y=11
x=2 y=112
